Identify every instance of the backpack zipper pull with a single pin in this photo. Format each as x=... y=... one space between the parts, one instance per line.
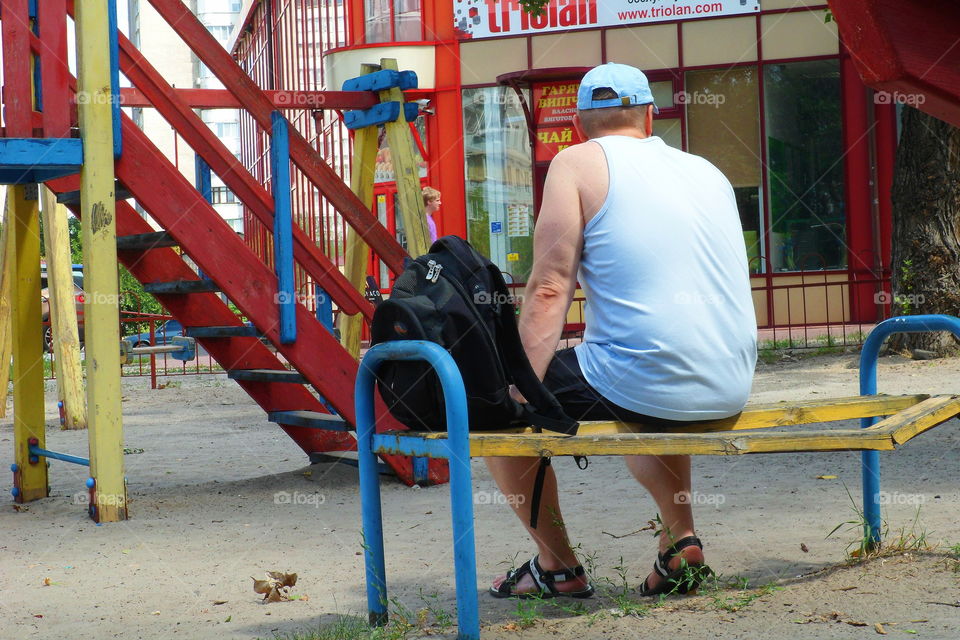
x=433 y=270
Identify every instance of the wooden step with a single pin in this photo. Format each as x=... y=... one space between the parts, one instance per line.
x=73 y=197
x=309 y=419
x=240 y=331
x=145 y=241
x=182 y=287
x=267 y=375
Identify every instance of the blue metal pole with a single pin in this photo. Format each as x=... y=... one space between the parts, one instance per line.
x=283 y=226
x=371 y=514
x=870 y=460
x=324 y=307
x=54 y=455
x=461 y=488
x=202 y=178
x=115 y=77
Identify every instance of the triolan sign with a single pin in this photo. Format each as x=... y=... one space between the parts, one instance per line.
x=491 y=18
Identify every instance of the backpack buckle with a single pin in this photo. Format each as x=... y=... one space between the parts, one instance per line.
x=433 y=270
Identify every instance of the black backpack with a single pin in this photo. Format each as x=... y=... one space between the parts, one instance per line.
x=457 y=298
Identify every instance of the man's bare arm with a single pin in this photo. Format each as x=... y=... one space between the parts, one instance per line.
x=557 y=244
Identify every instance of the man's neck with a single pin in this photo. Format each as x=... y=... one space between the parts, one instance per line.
x=631 y=132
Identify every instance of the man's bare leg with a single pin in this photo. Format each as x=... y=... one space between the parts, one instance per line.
x=667 y=478
x=515 y=478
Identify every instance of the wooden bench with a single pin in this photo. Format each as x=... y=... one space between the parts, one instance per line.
x=774 y=428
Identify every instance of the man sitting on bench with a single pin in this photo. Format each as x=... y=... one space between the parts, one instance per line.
x=670 y=328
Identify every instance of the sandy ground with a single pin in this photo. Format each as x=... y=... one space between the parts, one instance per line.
x=209 y=510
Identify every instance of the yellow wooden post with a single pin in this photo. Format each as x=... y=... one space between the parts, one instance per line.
x=358 y=253
x=28 y=413
x=6 y=322
x=101 y=310
x=63 y=315
x=409 y=195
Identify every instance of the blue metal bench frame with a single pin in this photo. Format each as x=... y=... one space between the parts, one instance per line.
x=456 y=448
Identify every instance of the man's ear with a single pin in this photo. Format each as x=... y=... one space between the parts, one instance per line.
x=648 y=124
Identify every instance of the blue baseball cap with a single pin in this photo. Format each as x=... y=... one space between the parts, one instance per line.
x=628 y=82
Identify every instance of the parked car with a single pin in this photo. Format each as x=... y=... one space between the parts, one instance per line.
x=164 y=334
x=78 y=297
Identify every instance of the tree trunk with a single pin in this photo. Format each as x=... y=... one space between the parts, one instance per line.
x=926 y=227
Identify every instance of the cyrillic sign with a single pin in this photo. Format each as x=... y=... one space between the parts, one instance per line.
x=492 y=18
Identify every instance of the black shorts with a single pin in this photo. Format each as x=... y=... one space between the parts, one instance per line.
x=581 y=401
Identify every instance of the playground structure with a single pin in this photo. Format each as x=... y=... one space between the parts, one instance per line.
x=71 y=135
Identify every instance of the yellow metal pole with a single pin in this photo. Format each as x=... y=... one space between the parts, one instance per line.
x=28 y=415
x=101 y=310
x=361 y=183
x=6 y=322
x=63 y=314
x=409 y=195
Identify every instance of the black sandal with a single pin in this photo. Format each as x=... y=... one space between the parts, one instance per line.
x=545 y=580
x=682 y=580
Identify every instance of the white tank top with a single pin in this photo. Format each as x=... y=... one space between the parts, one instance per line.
x=670 y=326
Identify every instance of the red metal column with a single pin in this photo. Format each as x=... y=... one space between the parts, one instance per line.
x=856 y=168
x=445 y=129
x=17 y=79
x=55 y=74
x=885 y=116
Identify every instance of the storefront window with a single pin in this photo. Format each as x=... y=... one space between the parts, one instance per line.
x=723 y=115
x=499 y=179
x=805 y=172
x=377 y=20
x=393 y=20
x=670 y=131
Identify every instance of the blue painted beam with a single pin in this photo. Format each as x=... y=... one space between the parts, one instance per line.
x=202 y=178
x=283 y=226
x=41 y=153
x=115 y=77
x=29 y=175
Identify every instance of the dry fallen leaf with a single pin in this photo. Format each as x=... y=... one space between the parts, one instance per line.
x=47 y=582
x=879 y=629
x=856 y=623
x=285 y=579
x=276 y=587
x=804 y=548
x=261 y=586
x=219 y=602
x=826 y=477
x=512 y=626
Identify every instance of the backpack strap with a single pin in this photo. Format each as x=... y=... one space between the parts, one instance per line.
x=538 y=491
x=543 y=409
